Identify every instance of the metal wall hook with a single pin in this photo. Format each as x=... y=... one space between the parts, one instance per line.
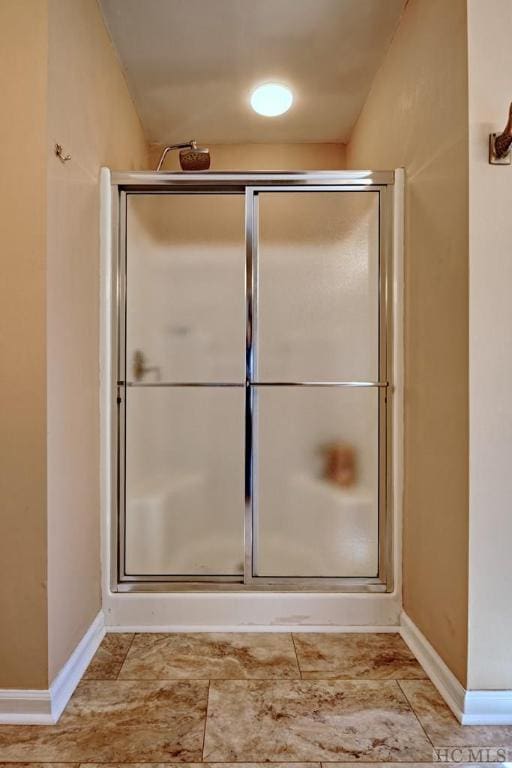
x=60 y=153
x=500 y=144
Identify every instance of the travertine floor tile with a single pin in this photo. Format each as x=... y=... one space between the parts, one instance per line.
x=311 y=720
x=382 y=656
x=442 y=727
x=157 y=723
x=117 y=721
x=40 y=765
x=415 y=765
x=213 y=656
x=200 y=765
x=109 y=657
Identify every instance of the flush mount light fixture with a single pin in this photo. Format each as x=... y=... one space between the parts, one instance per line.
x=271 y=99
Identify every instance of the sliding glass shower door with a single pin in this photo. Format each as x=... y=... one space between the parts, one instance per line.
x=252 y=386
x=185 y=374
x=316 y=362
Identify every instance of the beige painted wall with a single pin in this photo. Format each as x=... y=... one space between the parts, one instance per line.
x=60 y=82
x=416 y=116
x=23 y=624
x=92 y=115
x=264 y=157
x=490 y=361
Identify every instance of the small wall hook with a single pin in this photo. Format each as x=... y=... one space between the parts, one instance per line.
x=500 y=144
x=60 y=153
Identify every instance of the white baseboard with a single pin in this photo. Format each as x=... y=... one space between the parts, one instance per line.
x=71 y=673
x=469 y=707
x=44 y=707
x=487 y=708
x=25 y=707
x=449 y=687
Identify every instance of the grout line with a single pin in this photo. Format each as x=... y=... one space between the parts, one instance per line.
x=270 y=763
x=400 y=763
x=394 y=763
x=434 y=750
x=321 y=678
x=205 y=720
x=320 y=764
x=125 y=656
x=273 y=679
x=296 y=656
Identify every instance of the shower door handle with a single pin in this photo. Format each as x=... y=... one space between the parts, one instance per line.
x=140 y=368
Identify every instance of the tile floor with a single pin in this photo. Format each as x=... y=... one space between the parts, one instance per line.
x=294 y=701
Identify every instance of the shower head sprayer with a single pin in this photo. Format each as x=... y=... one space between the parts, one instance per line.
x=192 y=157
x=195 y=158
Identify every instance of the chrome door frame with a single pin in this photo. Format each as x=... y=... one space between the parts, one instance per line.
x=252 y=385
x=251 y=184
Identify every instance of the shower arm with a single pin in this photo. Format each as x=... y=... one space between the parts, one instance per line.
x=192 y=144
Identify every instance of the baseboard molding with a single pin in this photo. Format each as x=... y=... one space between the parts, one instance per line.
x=469 y=707
x=487 y=708
x=443 y=678
x=25 y=707
x=44 y=707
x=71 y=673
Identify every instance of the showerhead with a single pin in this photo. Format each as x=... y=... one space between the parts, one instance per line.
x=192 y=157
x=195 y=159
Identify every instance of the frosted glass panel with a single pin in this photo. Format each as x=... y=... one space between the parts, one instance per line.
x=316 y=482
x=318 y=286
x=185 y=288
x=184 y=481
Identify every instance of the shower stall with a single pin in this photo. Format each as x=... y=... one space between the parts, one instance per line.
x=252 y=398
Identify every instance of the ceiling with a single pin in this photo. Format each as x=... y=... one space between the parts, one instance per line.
x=191 y=64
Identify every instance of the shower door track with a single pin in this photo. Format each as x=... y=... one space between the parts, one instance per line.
x=250 y=184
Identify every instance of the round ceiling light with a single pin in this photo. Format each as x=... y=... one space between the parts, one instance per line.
x=271 y=99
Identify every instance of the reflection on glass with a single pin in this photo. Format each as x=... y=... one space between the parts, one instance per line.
x=317 y=482
x=318 y=286
x=185 y=288
x=184 y=481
